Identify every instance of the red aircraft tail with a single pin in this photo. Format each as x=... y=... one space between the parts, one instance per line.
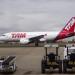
x=68 y=30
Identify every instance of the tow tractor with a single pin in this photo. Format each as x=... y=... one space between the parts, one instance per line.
x=51 y=60
x=7 y=64
x=69 y=59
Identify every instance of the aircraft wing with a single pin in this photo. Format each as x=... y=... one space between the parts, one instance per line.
x=36 y=38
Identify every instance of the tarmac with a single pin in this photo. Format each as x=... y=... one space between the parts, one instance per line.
x=28 y=59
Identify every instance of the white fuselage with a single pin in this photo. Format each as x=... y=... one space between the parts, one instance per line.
x=26 y=35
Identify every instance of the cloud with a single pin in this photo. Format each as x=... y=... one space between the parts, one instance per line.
x=35 y=15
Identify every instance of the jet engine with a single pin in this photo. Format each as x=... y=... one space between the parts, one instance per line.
x=24 y=41
x=42 y=39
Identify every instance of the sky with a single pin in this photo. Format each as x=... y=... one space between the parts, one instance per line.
x=35 y=15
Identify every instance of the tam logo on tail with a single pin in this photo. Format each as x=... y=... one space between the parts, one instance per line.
x=68 y=30
x=70 y=24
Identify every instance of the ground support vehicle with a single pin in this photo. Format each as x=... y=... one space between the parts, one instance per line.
x=7 y=64
x=51 y=60
x=69 y=61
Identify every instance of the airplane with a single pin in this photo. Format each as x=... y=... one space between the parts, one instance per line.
x=35 y=37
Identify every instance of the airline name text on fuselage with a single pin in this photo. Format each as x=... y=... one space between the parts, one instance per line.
x=18 y=35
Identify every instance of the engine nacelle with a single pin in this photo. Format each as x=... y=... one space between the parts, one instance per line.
x=42 y=39
x=24 y=41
